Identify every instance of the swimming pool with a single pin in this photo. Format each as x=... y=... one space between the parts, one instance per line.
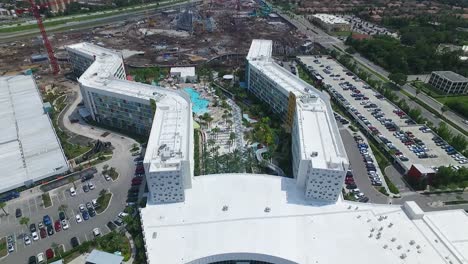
x=199 y=105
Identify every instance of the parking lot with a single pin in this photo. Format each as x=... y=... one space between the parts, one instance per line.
x=32 y=208
x=381 y=117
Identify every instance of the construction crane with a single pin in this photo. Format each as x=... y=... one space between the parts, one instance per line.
x=48 y=46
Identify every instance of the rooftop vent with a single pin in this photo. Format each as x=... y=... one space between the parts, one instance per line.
x=267 y=209
x=225 y=208
x=314 y=154
x=155 y=235
x=393 y=239
x=412 y=242
x=403 y=256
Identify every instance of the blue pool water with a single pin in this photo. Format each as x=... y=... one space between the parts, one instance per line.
x=199 y=105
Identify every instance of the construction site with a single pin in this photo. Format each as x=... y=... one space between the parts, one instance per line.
x=191 y=34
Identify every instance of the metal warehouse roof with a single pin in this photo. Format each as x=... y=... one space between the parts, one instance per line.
x=29 y=147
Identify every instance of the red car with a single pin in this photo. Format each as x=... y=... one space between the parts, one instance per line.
x=43 y=232
x=137 y=180
x=49 y=253
x=57 y=226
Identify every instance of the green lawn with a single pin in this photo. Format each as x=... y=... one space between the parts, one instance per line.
x=459 y=104
x=341 y=33
x=103 y=201
x=3 y=247
x=46 y=200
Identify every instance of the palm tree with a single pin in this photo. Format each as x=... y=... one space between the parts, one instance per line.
x=56 y=248
x=24 y=221
x=216 y=130
x=229 y=123
x=211 y=142
x=63 y=207
x=2 y=206
x=72 y=180
x=232 y=137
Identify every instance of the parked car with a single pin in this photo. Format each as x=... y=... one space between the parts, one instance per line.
x=89 y=205
x=74 y=242
x=32 y=260
x=85 y=188
x=81 y=207
x=92 y=212
x=43 y=232
x=65 y=224
x=78 y=218
x=40 y=258
x=57 y=226
x=96 y=232
x=49 y=253
x=18 y=213
x=122 y=215
x=85 y=215
x=27 y=240
x=91 y=186
x=62 y=215
x=46 y=220
x=34 y=236
x=32 y=228
x=72 y=191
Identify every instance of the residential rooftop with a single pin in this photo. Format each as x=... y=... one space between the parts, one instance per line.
x=331 y=19
x=29 y=148
x=452 y=76
x=267 y=218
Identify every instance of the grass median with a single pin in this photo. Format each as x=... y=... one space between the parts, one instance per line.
x=103 y=201
x=3 y=247
x=46 y=201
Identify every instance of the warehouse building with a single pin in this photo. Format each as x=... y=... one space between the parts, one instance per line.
x=29 y=148
x=449 y=82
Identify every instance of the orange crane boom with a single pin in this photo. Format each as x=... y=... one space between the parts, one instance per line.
x=48 y=46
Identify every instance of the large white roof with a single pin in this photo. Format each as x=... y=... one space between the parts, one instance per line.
x=29 y=148
x=260 y=48
x=294 y=229
x=319 y=137
x=171 y=122
x=331 y=19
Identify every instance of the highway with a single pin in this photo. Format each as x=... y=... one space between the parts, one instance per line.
x=71 y=26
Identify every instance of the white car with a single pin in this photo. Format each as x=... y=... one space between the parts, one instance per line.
x=96 y=232
x=27 y=240
x=91 y=186
x=107 y=177
x=34 y=235
x=65 y=225
x=81 y=207
x=72 y=191
x=78 y=218
x=40 y=258
x=122 y=215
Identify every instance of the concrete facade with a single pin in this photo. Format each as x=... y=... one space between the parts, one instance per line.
x=449 y=82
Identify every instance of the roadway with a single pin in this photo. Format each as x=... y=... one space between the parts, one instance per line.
x=31 y=202
x=71 y=26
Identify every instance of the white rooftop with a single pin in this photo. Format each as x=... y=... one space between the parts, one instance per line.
x=260 y=48
x=184 y=71
x=29 y=149
x=331 y=19
x=318 y=132
x=108 y=60
x=173 y=110
x=266 y=218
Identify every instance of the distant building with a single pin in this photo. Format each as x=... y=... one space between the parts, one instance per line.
x=331 y=23
x=449 y=82
x=184 y=74
x=101 y=257
x=418 y=172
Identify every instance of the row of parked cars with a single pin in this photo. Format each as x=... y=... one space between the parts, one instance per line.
x=458 y=157
x=372 y=172
x=352 y=188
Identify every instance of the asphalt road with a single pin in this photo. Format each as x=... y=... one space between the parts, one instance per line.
x=132 y=15
x=359 y=169
x=31 y=202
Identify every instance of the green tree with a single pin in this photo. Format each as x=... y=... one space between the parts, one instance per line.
x=444 y=131
x=398 y=78
x=2 y=206
x=24 y=221
x=459 y=142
